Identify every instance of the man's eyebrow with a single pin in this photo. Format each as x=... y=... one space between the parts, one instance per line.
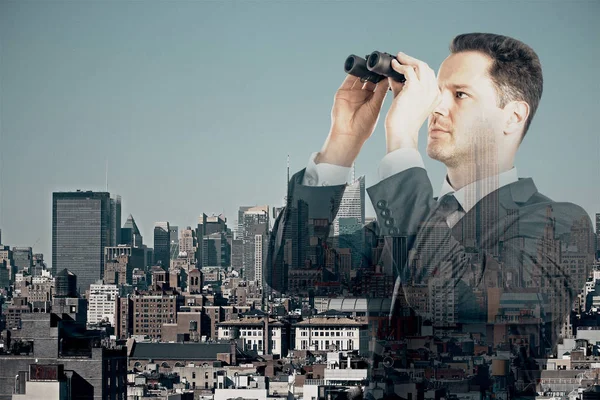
x=460 y=86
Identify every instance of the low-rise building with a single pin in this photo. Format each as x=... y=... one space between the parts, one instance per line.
x=332 y=330
x=258 y=332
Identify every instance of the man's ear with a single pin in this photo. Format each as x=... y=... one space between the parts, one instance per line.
x=516 y=113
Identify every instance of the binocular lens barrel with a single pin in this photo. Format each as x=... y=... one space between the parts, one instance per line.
x=381 y=63
x=373 y=60
x=357 y=66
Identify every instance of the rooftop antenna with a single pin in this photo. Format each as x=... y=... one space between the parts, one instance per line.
x=287 y=190
x=353 y=171
x=107 y=174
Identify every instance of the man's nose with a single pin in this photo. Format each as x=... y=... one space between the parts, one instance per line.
x=443 y=107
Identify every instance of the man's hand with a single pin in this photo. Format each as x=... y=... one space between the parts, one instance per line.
x=353 y=118
x=413 y=101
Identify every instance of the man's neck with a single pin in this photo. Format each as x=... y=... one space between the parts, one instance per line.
x=465 y=174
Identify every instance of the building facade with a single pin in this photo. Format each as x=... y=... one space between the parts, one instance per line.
x=162 y=244
x=102 y=303
x=81 y=229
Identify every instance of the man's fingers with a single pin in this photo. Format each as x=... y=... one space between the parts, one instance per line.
x=395 y=85
x=382 y=87
x=349 y=82
x=407 y=70
x=405 y=59
x=380 y=92
x=370 y=86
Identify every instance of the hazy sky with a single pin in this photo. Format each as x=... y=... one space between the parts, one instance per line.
x=196 y=105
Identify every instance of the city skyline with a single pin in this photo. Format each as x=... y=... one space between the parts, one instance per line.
x=144 y=94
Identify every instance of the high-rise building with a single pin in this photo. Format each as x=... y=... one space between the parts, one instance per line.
x=39 y=266
x=212 y=224
x=237 y=254
x=7 y=269
x=148 y=256
x=216 y=250
x=102 y=303
x=213 y=227
x=81 y=226
x=260 y=247
x=130 y=233
x=162 y=244
x=23 y=258
x=174 y=242
x=115 y=221
x=254 y=221
x=352 y=204
x=597 y=236
x=487 y=169
x=187 y=243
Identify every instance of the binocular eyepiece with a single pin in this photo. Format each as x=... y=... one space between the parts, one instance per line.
x=373 y=68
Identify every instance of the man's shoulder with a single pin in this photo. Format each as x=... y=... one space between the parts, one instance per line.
x=538 y=208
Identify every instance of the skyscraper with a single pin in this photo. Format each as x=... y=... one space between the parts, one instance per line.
x=38 y=265
x=260 y=247
x=7 y=269
x=81 y=226
x=187 y=243
x=23 y=258
x=597 y=236
x=174 y=242
x=115 y=221
x=253 y=221
x=208 y=226
x=352 y=205
x=216 y=250
x=162 y=244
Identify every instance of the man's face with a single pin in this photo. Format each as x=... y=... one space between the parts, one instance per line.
x=467 y=124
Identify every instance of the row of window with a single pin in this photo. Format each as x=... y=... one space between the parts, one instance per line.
x=339 y=345
x=327 y=333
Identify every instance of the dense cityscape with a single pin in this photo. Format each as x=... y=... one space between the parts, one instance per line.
x=194 y=315
x=429 y=239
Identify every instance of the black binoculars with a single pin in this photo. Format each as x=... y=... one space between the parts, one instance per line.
x=373 y=68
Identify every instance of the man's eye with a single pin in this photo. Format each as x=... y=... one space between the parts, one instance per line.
x=461 y=95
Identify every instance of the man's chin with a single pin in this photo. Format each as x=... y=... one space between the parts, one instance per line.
x=437 y=151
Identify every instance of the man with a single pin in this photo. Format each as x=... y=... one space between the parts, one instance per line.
x=486 y=251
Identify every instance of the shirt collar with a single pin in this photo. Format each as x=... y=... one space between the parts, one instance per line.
x=469 y=195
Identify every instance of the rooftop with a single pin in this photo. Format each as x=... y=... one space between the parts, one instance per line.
x=179 y=351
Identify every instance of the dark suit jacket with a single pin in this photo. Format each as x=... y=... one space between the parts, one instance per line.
x=508 y=245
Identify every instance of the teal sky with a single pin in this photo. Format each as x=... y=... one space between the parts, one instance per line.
x=196 y=105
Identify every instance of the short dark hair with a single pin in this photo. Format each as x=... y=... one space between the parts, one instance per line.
x=516 y=70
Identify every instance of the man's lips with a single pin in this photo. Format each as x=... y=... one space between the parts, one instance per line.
x=437 y=132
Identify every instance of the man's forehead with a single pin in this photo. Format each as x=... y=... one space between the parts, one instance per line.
x=465 y=68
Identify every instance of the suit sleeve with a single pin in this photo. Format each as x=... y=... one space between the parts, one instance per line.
x=290 y=231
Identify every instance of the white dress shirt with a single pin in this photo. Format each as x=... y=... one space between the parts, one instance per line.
x=324 y=174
